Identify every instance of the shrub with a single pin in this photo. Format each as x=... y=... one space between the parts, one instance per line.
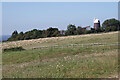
x=13 y=49
x=111 y=25
x=88 y=31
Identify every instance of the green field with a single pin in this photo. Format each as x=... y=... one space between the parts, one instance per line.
x=99 y=60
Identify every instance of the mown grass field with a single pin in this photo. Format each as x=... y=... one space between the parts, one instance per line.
x=68 y=62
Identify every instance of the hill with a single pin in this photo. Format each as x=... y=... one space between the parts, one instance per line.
x=77 y=39
x=80 y=56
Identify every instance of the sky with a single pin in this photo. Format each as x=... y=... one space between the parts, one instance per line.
x=25 y=16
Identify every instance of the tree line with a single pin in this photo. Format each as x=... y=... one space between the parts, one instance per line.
x=107 y=26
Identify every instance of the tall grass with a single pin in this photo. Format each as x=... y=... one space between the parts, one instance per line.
x=68 y=62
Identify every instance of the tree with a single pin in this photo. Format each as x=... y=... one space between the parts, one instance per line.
x=71 y=30
x=39 y=34
x=111 y=25
x=44 y=34
x=34 y=34
x=52 y=32
x=20 y=36
x=79 y=30
x=27 y=35
x=14 y=35
x=88 y=32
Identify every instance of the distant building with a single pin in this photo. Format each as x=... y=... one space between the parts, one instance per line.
x=96 y=24
x=86 y=28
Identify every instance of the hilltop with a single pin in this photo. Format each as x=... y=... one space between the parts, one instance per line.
x=76 y=39
x=107 y=26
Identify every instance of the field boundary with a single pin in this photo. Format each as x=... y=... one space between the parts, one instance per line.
x=77 y=45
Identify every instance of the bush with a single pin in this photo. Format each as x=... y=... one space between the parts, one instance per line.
x=13 y=49
x=88 y=32
x=111 y=25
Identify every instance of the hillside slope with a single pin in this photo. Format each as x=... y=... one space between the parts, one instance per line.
x=77 y=39
x=88 y=56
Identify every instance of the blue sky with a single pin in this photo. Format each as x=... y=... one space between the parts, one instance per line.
x=25 y=16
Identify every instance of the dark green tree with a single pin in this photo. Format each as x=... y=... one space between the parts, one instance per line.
x=52 y=32
x=44 y=34
x=111 y=25
x=14 y=35
x=39 y=34
x=20 y=36
x=71 y=30
x=27 y=35
x=34 y=34
x=56 y=33
x=79 y=30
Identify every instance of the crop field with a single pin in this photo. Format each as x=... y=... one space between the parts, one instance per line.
x=79 y=56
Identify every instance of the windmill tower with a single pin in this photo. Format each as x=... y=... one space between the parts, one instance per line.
x=96 y=24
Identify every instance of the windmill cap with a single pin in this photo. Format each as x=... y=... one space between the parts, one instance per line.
x=96 y=21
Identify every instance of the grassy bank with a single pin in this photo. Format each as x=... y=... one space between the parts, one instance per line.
x=68 y=62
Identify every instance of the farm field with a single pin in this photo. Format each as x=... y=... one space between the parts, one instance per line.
x=79 y=56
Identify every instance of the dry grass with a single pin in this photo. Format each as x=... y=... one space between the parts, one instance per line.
x=76 y=62
x=29 y=44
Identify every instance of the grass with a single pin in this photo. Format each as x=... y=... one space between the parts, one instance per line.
x=68 y=66
x=76 y=40
x=28 y=55
x=76 y=62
